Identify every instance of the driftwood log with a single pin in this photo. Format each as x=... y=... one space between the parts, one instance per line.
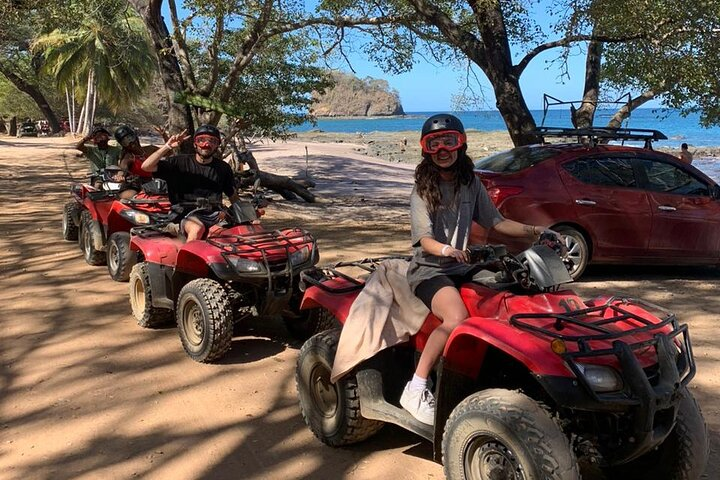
x=288 y=188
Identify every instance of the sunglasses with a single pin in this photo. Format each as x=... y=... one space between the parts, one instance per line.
x=205 y=141
x=447 y=140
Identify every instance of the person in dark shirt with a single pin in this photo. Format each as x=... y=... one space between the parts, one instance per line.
x=193 y=176
x=101 y=154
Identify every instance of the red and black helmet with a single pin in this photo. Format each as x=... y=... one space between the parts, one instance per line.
x=210 y=130
x=442 y=132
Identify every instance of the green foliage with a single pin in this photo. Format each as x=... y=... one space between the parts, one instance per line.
x=679 y=60
x=15 y=103
x=107 y=39
x=272 y=91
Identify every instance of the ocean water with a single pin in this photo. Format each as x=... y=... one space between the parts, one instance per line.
x=678 y=129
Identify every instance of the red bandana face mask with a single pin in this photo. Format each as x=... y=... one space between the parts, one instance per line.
x=448 y=140
x=206 y=142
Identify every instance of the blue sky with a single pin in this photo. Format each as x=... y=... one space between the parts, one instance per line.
x=431 y=87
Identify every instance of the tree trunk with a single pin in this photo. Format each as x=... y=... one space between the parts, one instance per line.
x=73 y=125
x=13 y=127
x=179 y=116
x=35 y=94
x=285 y=186
x=624 y=112
x=584 y=116
x=503 y=77
x=3 y=127
x=69 y=110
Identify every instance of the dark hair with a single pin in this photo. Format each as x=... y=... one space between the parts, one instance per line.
x=427 y=177
x=684 y=146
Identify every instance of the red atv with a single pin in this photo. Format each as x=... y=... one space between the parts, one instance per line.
x=534 y=385
x=101 y=221
x=239 y=270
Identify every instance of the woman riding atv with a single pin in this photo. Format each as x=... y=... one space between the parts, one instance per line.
x=446 y=199
x=131 y=160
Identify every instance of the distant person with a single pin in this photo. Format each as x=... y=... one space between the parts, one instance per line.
x=131 y=159
x=101 y=154
x=685 y=155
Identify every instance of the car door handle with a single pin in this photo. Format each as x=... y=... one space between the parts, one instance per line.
x=585 y=202
x=666 y=208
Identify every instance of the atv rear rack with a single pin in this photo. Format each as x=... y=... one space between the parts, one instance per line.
x=319 y=276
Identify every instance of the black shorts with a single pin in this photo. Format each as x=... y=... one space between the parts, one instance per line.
x=207 y=217
x=427 y=289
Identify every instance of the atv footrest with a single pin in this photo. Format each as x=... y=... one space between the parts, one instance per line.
x=373 y=405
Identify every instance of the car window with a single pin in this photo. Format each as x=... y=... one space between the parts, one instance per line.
x=611 y=172
x=516 y=159
x=668 y=178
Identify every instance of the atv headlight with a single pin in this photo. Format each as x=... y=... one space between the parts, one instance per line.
x=135 y=217
x=299 y=257
x=600 y=378
x=245 y=265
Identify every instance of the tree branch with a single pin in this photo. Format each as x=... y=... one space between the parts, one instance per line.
x=213 y=54
x=567 y=41
x=468 y=43
x=181 y=50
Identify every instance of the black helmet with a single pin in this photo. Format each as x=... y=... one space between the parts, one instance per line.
x=124 y=131
x=97 y=130
x=440 y=122
x=208 y=130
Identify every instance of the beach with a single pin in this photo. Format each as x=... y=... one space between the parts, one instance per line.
x=88 y=394
x=404 y=146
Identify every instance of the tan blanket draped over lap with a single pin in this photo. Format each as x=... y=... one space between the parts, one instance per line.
x=385 y=313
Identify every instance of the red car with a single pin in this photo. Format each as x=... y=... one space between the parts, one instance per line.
x=614 y=203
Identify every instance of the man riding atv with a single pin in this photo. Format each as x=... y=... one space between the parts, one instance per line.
x=101 y=155
x=193 y=176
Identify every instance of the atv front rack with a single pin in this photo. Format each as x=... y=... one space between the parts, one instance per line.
x=674 y=352
x=260 y=243
x=320 y=276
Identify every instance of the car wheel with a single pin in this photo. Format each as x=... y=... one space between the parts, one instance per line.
x=683 y=455
x=120 y=259
x=578 y=250
x=205 y=320
x=145 y=314
x=71 y=210
x=331 y=410
x=504 y=434
x=88 y=231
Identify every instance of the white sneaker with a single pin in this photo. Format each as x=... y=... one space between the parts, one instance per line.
x=420 y=404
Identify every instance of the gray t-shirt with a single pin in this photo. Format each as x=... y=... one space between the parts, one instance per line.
x=449 y=224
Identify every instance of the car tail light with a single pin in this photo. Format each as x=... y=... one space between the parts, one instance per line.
x=499 y=194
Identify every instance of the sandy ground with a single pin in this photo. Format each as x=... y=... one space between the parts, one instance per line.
x=86 y=393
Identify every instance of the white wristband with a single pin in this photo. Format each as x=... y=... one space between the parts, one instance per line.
x=442 y=252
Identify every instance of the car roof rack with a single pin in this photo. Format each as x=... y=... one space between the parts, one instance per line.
x=603 y=132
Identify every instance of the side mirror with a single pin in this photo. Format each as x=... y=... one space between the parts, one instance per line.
x=256 y=185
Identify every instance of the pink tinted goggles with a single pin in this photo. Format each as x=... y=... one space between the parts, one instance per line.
x=206 y=141
x=448 y=140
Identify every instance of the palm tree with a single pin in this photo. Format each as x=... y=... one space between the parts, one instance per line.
x=106 y=58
